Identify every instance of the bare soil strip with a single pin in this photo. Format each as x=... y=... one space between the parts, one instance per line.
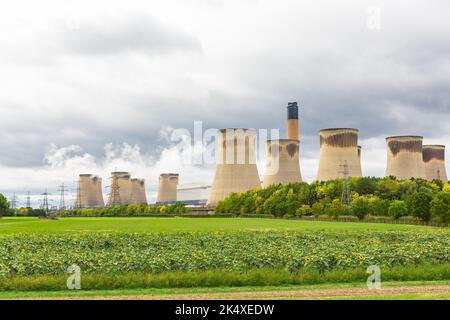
x=297 y=294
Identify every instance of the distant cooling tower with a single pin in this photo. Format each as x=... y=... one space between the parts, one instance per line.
x=138 y=191
x=236 y=169
x=282 y=163
x=404 y=157
x=168 y=183
x=89 y=192
x=339 y=154
x=120 y=189
x=434 y=162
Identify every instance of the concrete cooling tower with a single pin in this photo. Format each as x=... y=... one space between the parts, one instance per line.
x=120 y=189
x=138 y=191
x=404 y=157
x=359 y=156
x=167 y=192
x=434 y=162
x=282 y=162
x=339 y=154
x=236 y=169
x=89 y=192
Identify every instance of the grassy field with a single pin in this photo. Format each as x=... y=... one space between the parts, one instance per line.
x=411 y=290
x=10 y=225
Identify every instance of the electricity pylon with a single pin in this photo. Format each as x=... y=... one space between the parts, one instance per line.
x=345 y=198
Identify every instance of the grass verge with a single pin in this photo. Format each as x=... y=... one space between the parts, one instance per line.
x=219 y=278
x=273 y=292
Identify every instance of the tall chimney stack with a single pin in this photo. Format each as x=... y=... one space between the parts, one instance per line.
x=282 y=162
x=292 y=121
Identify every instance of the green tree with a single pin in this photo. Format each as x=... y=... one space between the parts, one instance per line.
x=419 y=205
x=440 y=206
x=364 y=185
x=306 y=194
x=407 y=188
x=276 y=204
x=304 y=210
x=398 y=209
x=379 y=207
x=388 y=188
x=4 y=205
x=317 y=209
x=335 y=209
x=360 y=207
x=131 y=210
x=292 y=202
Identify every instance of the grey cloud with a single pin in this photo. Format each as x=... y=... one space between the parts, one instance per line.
x=391 y=82
x=136 y=34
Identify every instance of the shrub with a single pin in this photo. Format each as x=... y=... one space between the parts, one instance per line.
x=360 y=207
x=379 y=207
x=398 y=209
x=317 y=209
x=335 y=209
x=304 y=210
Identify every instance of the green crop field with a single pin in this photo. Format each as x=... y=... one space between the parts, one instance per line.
x=146 y=224
x=140 y=253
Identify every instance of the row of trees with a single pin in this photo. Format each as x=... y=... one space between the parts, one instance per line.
x=125 y=210
x=128 y=210
x=6 y=210
x=385 y=197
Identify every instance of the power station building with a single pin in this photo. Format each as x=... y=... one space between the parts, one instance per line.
x=340 y=155
x=167 y=191
x=195 y=194
x=434 y=162
x=405 y=157
x=283 y=162
x=89 y=193
x=236 y=169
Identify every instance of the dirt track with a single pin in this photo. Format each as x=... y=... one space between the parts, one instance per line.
x=298 y=294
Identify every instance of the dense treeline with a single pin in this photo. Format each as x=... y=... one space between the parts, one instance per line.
x=128 y=210
x=370 y=196
x=125 y=210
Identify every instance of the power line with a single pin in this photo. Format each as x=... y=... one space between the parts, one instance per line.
x=62 y=192
x=114 y=192
x=13 y=202
x=28 y=200
x=78 y=203
x=345 y=198
x=44 y=201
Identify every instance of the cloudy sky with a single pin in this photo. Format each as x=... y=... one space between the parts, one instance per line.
x=94 y=86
